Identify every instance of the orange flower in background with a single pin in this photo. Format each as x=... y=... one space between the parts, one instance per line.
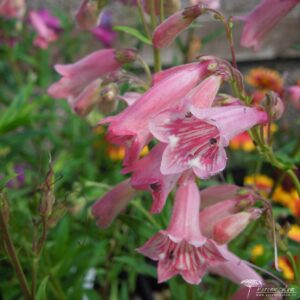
x=294 y=233
x=289 y=199
x=285 y=266
x=260 y=182
x=244 y=142
x=265 y=79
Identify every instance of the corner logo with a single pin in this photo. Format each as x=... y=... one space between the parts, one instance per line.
x=250 y=283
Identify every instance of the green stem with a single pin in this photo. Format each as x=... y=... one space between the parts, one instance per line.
x=14 y=258
x=161 y=11
x=146 y=213
x=295 y=180
x=156 y=52
x=293 y=263
x=146 y=68
x=143 y=19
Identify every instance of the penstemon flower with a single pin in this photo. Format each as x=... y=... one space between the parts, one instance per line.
x=182 y=248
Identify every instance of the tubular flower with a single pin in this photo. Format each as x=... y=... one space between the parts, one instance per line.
x=196 y=139
x=261 y=20
x=146 y=176
x=132 y=131
x=47 y=27
x=166 y=32
x=182 y=249
x=112 y=203
x=80 y=82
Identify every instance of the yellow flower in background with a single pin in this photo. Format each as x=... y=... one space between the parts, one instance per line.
x=257 y=250
x=289 y=199
x=265 y=79
x=117 y=153
x=261 y=182
x=287 y=270
x=294 y=233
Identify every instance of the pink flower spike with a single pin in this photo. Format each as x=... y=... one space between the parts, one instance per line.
x=294 y=95
x=167 y=31
x=112 y=203
x=146 y=176
x=261 y=20
x=182 y=249
x=130 y=127
x=234 y=268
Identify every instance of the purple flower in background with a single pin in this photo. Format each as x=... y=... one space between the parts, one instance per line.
x=104 y=32
x=19 y=180
x=47 y=27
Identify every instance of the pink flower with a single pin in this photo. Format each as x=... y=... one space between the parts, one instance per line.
x=104 y=32
x=46 y=26
x=261 y=20
x=166 y=32
x=196 y=138
x=87 y=14
x=182 y=249
x=12 y=8
x=112 y=203
x=214 y=4
x=293 y=93
x=146 y=176
x=130 y=127
x=80 y=80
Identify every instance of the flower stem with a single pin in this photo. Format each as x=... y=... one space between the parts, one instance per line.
x=11 y=251
x=146 y=68
x=156 y=52
x=143 y=19
x=161 y=11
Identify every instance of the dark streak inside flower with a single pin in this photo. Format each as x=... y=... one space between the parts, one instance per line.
x=213 y=141
x=188 y=115
x=171 y=255
x=155 y=186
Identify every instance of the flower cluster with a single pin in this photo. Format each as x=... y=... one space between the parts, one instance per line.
x=187 y=123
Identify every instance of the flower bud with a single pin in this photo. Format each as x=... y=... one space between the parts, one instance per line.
x=125 y=55
x=87 y=14
x=108 y=97
x=274 y=105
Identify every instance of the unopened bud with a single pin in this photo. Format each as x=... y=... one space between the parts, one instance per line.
x=87 y=14
x=126 y=55
x=193 y=12
x=58 y=212
x=230 y=227
x=274 y=105
x=48 y=198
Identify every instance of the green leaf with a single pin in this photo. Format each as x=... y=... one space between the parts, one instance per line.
x=134 y=32
x=41 y=292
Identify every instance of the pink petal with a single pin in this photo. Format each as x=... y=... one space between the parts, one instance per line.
x=261 y=20
x=235 y=269
x=294 y=95
x=166 y=32
x=146 y=176
x=112 y=203
x=130 y=97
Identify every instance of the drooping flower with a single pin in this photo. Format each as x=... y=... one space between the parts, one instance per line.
x=166 y=32
x=262 y=19
x=112 y=203
x=181 y=248
x=12 y=8
x=81 y=83
x=130 y=127
x=104 y=32
x=197 y=139
x=147 y=176
x=47 y=27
